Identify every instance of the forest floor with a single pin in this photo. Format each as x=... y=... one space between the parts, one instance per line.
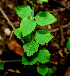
x=10 y=45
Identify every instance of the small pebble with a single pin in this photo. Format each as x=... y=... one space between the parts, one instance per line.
x=7 y=31
x=10 y=6
x=17 y=71
x=39 y=2
x=49 y=26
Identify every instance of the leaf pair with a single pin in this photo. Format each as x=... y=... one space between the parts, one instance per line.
x=43 y=57
x=42 y=18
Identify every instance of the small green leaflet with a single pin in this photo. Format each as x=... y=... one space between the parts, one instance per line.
x=18 y=33
x=44 y=0
x=44 y=18
x=29 y=60
x=43 y=56
x=42 y=69
x=68 y=45
x=27 y=26
x=42 y=37
x=30 y=47
x=1 y=67
x=23 y=11
x=49 y=73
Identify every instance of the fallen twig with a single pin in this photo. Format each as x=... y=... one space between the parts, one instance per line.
x=64 y=26
x=3 y=13
x=62 y=36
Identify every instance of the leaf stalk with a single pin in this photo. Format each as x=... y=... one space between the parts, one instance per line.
x=33 y=14
x=33 y=9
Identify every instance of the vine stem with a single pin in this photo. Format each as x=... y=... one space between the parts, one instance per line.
x=10 y=61
x=33 y=14
x=33 y=9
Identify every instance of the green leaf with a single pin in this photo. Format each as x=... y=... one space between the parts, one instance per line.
x=30 y=48
x=42 y=37
x=44 y=18
x=23 y=11
x=29 y=60
x=1 y=67
x=43 y=56
x=42 y=69
x=49 y=73
x=18 y=33
x=44 y=0
x=68 y=45
x=27 y=26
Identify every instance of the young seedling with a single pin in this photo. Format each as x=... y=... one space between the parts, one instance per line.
x=31 y=53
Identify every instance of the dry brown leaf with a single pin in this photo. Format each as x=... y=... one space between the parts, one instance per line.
x=15 y=47
x=67 y=73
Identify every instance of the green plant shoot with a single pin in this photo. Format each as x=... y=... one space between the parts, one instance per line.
x=31 y=53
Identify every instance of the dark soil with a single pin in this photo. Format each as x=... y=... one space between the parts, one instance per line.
x=60 y=56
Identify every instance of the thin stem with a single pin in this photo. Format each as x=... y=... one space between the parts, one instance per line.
x=33 y=14
x=10 y=61
x=33 y=9
x=32 y=36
